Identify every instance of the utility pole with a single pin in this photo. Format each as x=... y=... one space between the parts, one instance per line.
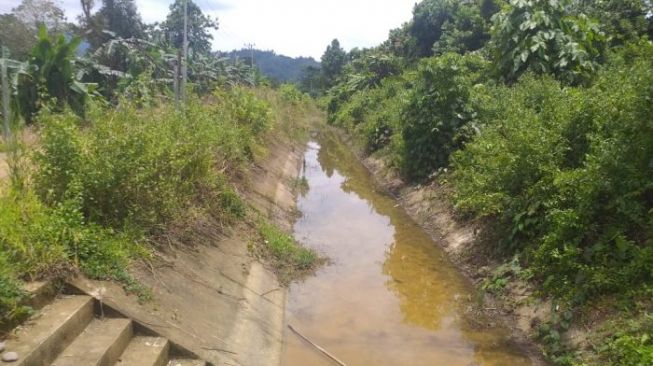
x=5 y=94
x=251 y=53
x=184 y=62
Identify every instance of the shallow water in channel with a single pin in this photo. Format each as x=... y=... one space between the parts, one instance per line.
x=389 y=296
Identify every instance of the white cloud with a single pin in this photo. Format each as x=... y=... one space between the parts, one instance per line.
x=290 y=27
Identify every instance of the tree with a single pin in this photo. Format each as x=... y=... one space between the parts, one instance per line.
x=621 y=20
x=429 y=17
x=50 y=76
x=17 y=36
x=333 y=61
x=36 y=13
x=312 y=81
x=468 y=30
x=199 y=27
x=540 y=36
x=122 y=18
x=399 y=42
x=438 y=112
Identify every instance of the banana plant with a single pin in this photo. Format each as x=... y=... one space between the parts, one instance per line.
x=49 y=76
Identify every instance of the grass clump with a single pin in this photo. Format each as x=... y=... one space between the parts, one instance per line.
x=38 y=241
x=289 y=258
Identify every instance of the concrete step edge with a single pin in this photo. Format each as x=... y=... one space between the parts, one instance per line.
x=39 y=340
x=101 y=344
x=145 y=351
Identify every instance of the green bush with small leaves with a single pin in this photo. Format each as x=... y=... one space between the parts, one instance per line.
x=567 y=172
x=437 y=112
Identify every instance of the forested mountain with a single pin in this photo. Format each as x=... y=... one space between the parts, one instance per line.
x=277 y=67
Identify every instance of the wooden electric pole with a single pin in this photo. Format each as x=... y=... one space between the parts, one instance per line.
x=184 y=62
x=251 y=53
x=5 y=95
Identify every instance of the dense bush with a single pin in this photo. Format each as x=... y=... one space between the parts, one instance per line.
x=540 y=36
x=40 y=241
x=437 y=112
x=568 y=173
x=142 y=168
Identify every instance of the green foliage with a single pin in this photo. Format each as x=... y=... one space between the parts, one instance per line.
x=469 y=30
x=567 y=172
x=538 y=35
x=290 y=257
x=332 y=62
x=245 y=108
x=375 y=114
x=40 y=241
x=632 y=345
x=41 y=13
x=291 y=94
x=121 y=17
x=50 y=74
x=11 y=295
x=429 y=18
x=142 y=168
x=17 y=36
x=623 y=21
x=437 y=115
x=199 y=27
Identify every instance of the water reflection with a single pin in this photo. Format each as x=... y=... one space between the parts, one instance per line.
x=390 y=297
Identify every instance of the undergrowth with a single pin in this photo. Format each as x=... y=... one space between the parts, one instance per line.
x=95 y=191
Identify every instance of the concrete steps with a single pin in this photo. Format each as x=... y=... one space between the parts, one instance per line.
x=152 y=351
x=70 y=332
x=185 y=362
x=101 y=344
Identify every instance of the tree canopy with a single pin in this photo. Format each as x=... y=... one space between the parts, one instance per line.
x=333 y=60
x=199 y=27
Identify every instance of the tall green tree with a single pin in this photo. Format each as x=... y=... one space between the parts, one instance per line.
x=122 y=18
x=199 y=27
x=17 y=36
x=468 y=30
x=333 y=61
x=429 y=17
x=621 y=20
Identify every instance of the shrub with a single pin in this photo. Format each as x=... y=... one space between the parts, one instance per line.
x=291 y=94
x=567 y=171
x=142 y=168
x=244 y=108
x=38 y=241
x=437 y=110
x=539 y=35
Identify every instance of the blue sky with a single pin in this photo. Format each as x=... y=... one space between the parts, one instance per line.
x=290 y=27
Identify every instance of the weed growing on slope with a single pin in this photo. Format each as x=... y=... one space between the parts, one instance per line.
x=289 y=257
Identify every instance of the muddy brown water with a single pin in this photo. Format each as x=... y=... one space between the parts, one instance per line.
x=389 y=296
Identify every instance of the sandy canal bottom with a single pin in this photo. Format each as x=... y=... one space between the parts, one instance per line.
x=390 y=296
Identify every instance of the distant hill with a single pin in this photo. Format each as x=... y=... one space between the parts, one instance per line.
x=278 y=67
